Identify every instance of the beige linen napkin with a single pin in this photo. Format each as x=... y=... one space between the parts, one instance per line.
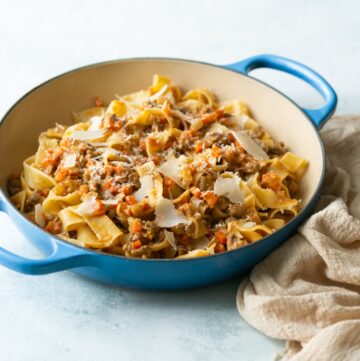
x=308 y=291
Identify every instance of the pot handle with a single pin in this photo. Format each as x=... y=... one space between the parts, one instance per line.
x=62 y=257
x=318 y=116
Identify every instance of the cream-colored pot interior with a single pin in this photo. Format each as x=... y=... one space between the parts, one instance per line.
x=55 y=100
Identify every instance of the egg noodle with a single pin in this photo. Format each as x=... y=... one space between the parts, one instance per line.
x=160 y=174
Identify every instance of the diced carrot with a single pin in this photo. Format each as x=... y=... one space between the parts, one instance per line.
x=196 y=192
x=130 y=199
x=99 y=208
x=219 y=248
x=54 y=226
x=221 y=237
x=216 y=151
x=136 y=226
x=137 y=244
x=271 y=180
x=106 y=184
x=127 y=189
x=199 y=147
x=61 y=175
x=211 y=199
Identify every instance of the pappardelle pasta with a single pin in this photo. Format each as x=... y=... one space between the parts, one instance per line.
x=160 y=174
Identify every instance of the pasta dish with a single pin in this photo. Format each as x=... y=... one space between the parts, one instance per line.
x=160 y=174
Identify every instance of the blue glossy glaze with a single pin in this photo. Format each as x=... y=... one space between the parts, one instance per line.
x=165 y=274
x=318 y=116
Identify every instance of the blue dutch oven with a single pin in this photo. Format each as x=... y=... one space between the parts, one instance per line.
x=55 y=99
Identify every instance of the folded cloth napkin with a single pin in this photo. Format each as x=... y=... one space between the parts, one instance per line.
x=308 y=291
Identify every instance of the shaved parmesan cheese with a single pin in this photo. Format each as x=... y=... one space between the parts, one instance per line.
x=170 y=238
x=171 y=169
x=110 y=202
x=147 y=184
x=40 y=216
x=159 y=93
x=95 y=123
x=69 y=160
x=87 y=207
x=250 y=145
x=248 y=224
x=168 y=216
x=229 y=187
x=87 y=134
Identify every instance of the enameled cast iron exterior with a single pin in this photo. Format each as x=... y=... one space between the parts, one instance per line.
x=170 y=274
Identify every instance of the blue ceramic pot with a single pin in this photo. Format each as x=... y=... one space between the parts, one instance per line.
x=55 y=99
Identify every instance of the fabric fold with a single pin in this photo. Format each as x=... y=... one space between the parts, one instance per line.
x=308 y=290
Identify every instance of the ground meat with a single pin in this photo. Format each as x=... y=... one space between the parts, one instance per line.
x=32 y=201
x=14 y=185
x=277 y=149
x=223 y=204
x=133 y=178
x=237 y=210
x=219 y=139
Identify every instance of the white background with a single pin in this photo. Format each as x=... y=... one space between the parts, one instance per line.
x=64 y=317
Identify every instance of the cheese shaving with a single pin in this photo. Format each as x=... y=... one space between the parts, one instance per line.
x=95 y=123
x=40 y=215
x=147 y=184
x=87 y=134
x=229 y=187
x=170 y=238
x=171 y=169
x=250 y=145
x=110 y=202
x=159 y=93
x=87 y=207
x=168 y=216
x=69 y=160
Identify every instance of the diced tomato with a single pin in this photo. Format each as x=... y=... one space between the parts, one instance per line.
x=137 y=244
x=219 y=248
x=220 y=237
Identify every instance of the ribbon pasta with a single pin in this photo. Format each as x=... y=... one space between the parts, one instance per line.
x=160 y=174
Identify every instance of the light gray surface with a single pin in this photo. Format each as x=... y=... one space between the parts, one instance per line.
x=63 y=316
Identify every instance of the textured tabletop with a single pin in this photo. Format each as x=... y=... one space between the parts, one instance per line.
x=65 y=317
